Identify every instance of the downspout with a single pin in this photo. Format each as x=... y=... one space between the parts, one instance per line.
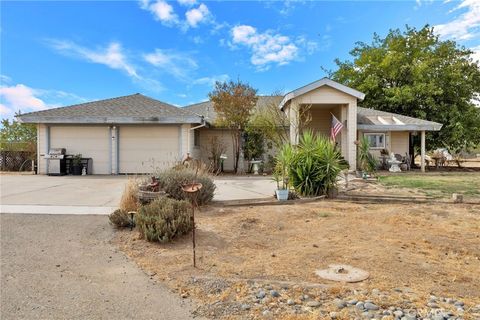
x=118 y=151
x=110 y=136
x=204 y=123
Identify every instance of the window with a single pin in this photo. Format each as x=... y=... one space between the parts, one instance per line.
x=377 y=140
x=196 y=138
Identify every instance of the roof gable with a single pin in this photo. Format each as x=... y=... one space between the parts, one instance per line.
x=317 y=84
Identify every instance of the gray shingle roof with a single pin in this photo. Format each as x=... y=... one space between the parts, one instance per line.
x=368 y=119
x=206 y=108
x=135 y=108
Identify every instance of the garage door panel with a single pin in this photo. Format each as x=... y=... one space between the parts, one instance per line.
x=144 y=149
x=90 y=142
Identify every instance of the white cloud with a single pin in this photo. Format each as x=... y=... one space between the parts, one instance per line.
x=161 y=10
x=179 y=65
x=187 y=3
x=198 y=15
x=19 y=97
x=466 y=25
x=476 y=54
x=111 y=56
x=211 y=80
x=267 y=48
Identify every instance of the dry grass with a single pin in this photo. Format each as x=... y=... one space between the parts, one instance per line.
x=129 y=200
x=425 y=247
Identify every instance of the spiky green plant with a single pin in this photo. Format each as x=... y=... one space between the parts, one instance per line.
x=366 y=161
x=315 y=165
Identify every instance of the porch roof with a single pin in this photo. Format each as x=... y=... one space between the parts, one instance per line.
x=376 y=120
x=317 y=84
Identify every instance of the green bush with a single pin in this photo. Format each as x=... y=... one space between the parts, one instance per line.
x=366 y=161
x=174 y=179
x=164 y=219
x=119 y=218
x=315 y=165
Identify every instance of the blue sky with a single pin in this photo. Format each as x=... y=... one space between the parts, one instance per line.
x=56 y=53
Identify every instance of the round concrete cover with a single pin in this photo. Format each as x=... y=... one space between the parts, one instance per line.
x=342 y=273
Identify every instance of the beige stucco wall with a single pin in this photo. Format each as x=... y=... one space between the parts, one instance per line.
x=41 y=148
x=89 y=141
x=347 y=111
x=223 y=136
x=321 y=118
x=395 y=141
x=146 y=148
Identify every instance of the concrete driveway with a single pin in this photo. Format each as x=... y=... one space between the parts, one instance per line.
x=101 y=194
x=64 y=267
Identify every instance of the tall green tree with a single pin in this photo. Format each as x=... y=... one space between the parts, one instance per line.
x=414 y=73
x=234 y=101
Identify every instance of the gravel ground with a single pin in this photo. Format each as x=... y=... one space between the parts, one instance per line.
x=64 y=267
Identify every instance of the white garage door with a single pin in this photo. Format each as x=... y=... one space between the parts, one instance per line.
x=89 y=141
x=144 y=149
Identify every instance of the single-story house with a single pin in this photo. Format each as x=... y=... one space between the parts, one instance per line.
x=137 y=134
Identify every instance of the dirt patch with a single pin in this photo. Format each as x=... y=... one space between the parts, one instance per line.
x=428 y=249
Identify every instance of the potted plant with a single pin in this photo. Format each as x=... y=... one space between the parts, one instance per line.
x=76 y=169
x=280 y=173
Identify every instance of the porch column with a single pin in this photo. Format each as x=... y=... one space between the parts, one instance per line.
x=422 y=151
x=293 y=115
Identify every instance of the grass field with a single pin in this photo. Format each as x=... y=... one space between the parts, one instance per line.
x=437 y=184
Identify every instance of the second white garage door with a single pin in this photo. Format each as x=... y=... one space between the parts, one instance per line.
x=144 y=149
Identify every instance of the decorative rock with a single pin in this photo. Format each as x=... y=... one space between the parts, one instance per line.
x=432 y=305
x=261 y=294
x=274 y=293
x=306 y=297
x=313 y=304
x=352 y=302
x=266 y=313
x=245 y=306
x=409 y=317
x=459 y=303
x=290 y=302
x=375 y=291
x=359 y=305
x=333 y=315
x=370 y=306
x=398 y=313
x=340 y=303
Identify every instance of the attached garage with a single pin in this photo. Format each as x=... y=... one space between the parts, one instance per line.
x=146 y=148
x=89 y=141
x=124 y=135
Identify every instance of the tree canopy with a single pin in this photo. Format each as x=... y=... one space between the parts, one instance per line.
x=414 y=73
x=234 y=101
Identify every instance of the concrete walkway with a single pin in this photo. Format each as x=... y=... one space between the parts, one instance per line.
x=39 y=194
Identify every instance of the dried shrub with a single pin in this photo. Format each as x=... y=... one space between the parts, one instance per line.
x=174 y=179
x=119 y=218
x=129 y=200
x=164 y=219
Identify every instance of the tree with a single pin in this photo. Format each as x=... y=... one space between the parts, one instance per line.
x=416 y=74
x=15 y=135
x=234 y=102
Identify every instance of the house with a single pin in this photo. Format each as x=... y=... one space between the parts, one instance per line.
x=136 y=134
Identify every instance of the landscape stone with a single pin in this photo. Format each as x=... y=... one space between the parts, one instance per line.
x=313 y=304
x=370 y=306
x=274 y=293
x=261 y=294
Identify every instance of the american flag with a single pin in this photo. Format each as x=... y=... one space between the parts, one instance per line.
x=336 y=127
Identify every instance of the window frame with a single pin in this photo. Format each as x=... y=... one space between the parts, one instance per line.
x=378 y=134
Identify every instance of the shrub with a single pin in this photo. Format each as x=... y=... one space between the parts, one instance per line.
x=129 y=200
x=119 y=218
x=164 y=219
x=174 y=179
x=315 y=165
x=366 y=161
